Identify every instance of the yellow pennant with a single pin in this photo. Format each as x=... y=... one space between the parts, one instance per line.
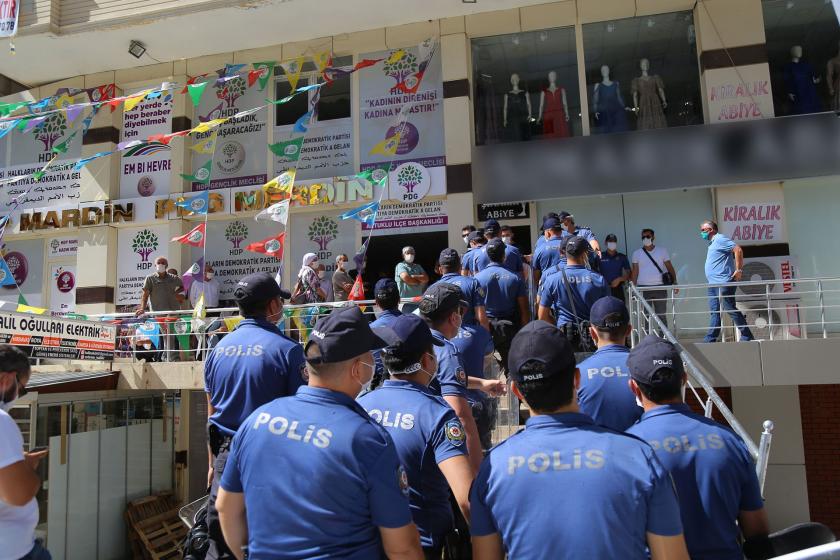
x=208 y=145
x=232 y=322
x=200 y=311
x=29 y=309
x=63 y=101
x=135 y=100
x=282 y=183
x=387 y=147
x=293 y=68
x=207 y=126
x=322 y=60
x=396 y=56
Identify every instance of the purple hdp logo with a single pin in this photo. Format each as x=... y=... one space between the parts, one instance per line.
x=144 y=244
x=236 y=233
x=322 y=230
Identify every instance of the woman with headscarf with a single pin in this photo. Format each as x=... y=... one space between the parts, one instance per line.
x=308 y=286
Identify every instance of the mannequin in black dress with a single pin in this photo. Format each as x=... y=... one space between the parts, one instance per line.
x=516 y=111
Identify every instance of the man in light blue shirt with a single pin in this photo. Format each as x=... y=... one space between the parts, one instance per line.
x=724 y=262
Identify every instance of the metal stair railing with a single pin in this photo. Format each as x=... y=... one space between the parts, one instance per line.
x=646 y=321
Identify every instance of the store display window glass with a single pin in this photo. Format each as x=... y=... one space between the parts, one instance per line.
x=333 y=101
x=803 y=40
x=642 y=73
x=526 y=86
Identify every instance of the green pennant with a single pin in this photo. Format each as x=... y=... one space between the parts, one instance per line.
x=288 y=151
x=22 y=123
x=182 y=329
x=38 y=175
x=77 y=316
x=368 y=174
x=62 y=148
x=7 y=109
x=266 y=76
x=202 y=175
x=22 y=300
x=196 y=91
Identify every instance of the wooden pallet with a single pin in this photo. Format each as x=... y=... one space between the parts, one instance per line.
x=140 y=510
x=162 y=535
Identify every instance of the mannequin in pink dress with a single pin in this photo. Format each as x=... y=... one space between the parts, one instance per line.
x=554 y=109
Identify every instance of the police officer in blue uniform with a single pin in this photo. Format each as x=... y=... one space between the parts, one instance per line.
x=475 y=242
x=544 y=233
x=550 y=253
x=565 y=488
x=506 y=299
x=251 y=366
x=512 y=260
x=442 y=307
x=474 y=343
x=429 y=438
x=713 y=472
x=615 y=267
x=604 y=394
x=386 y=294
x=567 y=296
x=571 y=229
x=313 y=476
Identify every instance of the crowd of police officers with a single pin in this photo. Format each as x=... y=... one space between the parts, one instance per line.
x=373 y=439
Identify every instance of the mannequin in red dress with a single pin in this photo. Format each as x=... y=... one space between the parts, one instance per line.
x=554 y=109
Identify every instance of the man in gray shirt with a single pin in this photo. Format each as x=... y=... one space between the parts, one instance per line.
x=342 y=284
x=162 y=290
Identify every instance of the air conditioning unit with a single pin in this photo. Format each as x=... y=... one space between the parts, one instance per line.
x=768 y=269
x=782 y=318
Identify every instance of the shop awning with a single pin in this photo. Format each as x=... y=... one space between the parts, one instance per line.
x=72 y=381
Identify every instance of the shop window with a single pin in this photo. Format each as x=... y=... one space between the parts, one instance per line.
x=802 y=50
x=642 y=73
x=526 y=86
x=333 y=100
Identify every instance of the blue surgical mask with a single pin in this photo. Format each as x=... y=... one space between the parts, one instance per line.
x=705 y=235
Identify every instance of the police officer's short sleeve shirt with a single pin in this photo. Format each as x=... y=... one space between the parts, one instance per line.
x=319 y=478
x=713 y=472
x=512 y=262
x=472 y=293
x=613 y=266
x=502 y=288
x=586 y=288
x=384 y=320
x=548 y=255
x=604 y=394
x=609 y=487
x=451 y=379
x=473 y=343
x=249 y=367
x=426 y=432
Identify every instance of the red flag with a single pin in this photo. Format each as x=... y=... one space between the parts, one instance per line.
x=364 y=63
x=357 y=292
x=412 y=83
x=272 y=246
x=194 y=237
x=253 y=76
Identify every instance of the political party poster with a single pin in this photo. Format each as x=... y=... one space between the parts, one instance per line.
x=145 y=170
x=62 y=289
x=240 y=157
x=137 y=250
x=403 y=94
x=324 y=234
x=9 y=12
x=59 y=247
x=226 y=241
x=413 y=217
x=26 y=263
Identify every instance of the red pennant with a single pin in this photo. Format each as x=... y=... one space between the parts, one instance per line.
x=271 y=246
x=253 y=76
x=161 y=138
x=168 y=137
x=357 y=292
x=192 y=81
x=412 y=83
x=194 y=237
x=364 y=63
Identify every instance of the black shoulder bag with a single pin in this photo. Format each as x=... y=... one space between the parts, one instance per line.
x=667 y=279
x=577 y=332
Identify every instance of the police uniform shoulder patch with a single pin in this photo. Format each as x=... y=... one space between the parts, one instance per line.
x=455 y=433
x=461 y=376
x=480 y=290
x=402 y=480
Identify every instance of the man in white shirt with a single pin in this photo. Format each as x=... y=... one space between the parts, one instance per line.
x=19 y=480
x=207 y=284
x=649 y=264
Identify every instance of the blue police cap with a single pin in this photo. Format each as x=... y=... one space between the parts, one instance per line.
x=540 y=342
x=476 y=235
x=441 y=298
x=563 y=215
x=551 y=223
x=576 y=246
x=449 y=257
x=409 y=335
x=492 y=226
x=385 y=288
x=342 y=335
x=609 y=313
x=656 y=362
x=257 y=287
x=496 y=249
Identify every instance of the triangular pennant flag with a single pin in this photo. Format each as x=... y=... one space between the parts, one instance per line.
x=278 y=212
x=411 y=83
x=206 y=126
x=30 y=309
x=72 y=112
x=266 y=71
x=366 y=62
x=6 y=276
x=4 y=221
x=302 y=124
x=134 y=100
x=293 y=68
x=198 y=204
x=365 y=213
x=63 y=101
x=374 y=174
x=182 y=332
x=208 y=145
x=194 y=237
x=195 y=272
x=22 y=300
x=271 y=246
x=289 y=150
x=359 y=257
x=127 y=144
x=84 y=161
x=322 y=60
x=7 y=127
x=167 y=138
x=200 y=310
x=34 y=123
x=192 y=80
x=282 y=183
x=232 y=69
x=202 y=175
x=196 y=91
x=387 y=147
x=232 y=322
x=246 y=112
x=62 y=147
x=150 y=330
x=310 y=87
x=357 y=292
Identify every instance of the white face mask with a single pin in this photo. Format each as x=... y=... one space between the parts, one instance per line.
x=409 y=258
x=466 y=240
x=160 y=268
x=612 y=245
x=647 y=242
x=506 y=239
x=365 y=387
x=682 y=391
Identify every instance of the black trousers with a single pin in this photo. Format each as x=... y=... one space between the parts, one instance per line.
x=220 y=448
x=485 y=414
x=503 y=331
